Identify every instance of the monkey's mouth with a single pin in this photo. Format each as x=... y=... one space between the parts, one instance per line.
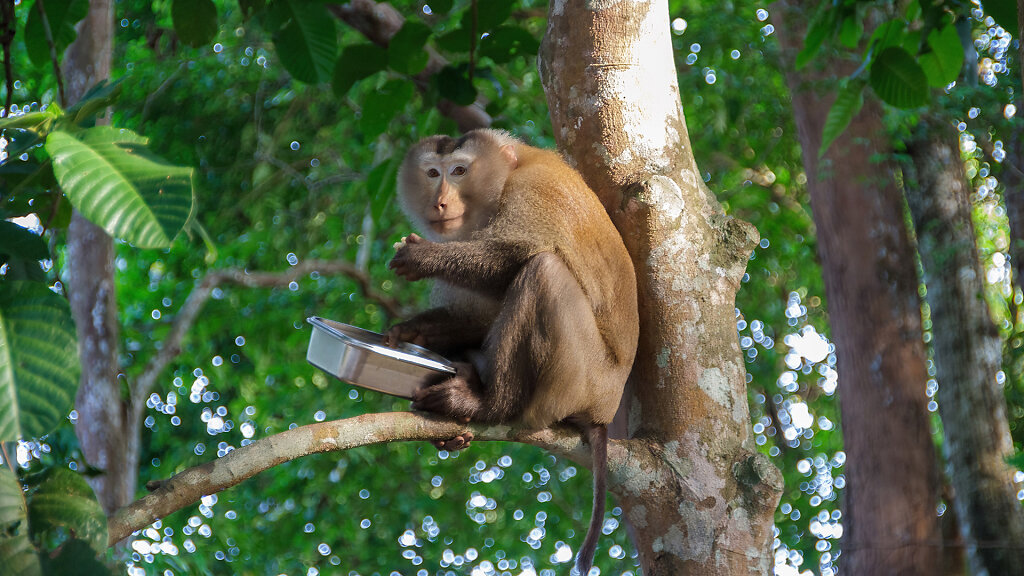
x=445 y=225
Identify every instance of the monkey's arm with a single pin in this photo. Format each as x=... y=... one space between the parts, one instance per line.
x=440 y=330
x=485 y=265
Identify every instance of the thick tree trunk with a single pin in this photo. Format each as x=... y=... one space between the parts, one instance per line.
x=107 y=429
x=968 y=354
x=703 y=500
x=871 y=285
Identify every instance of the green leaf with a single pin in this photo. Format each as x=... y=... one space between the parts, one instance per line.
x=1004 y=12
x=848 y=103
x=455 y=41
x=195 y=21
x=100 y=96
x=405 y=51
x=61 y=15
x=37 y=122
x=113 y=180
x=75 y=557
x=17 y=242
x=306 y=40
x=823 y=25
x=355 y=63
x=39 y=366
x=455 y=86
x=18 y=556
x=380 y=185
x=945 y=58
x=65 y=500
x=381 y=109
x=440 y=7
x=898 y=79
x=851 y=31
x=506 y=42
x=888 y=34
x=489 y=14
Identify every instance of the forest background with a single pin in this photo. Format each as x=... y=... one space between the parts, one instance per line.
x=271 y=134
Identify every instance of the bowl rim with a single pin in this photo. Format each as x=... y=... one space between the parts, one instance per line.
x=407 y=352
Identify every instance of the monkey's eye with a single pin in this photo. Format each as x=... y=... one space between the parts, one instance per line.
x=433 y=173
x=458 y=171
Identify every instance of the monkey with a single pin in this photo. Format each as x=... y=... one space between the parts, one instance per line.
x=533 y=288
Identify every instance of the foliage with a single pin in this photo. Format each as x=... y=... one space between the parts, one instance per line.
x=295 y=125
x=904 y=57
x=58 y=512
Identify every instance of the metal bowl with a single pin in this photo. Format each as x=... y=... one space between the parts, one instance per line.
x=360 y=357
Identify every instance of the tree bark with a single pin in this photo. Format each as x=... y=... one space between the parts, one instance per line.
x=968 y=355
x=107 y=426
x=871 y=287
x=701 y=500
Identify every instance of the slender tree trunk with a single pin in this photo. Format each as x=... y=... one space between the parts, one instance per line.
x=107 y=429
x=705 y=501
x=871 y=285
x=968 y=354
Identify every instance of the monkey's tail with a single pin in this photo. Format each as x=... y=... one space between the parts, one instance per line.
x=597 y=436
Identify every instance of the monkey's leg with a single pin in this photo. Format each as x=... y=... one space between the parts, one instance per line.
x=533 y=341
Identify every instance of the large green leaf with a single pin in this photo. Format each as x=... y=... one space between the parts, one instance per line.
x=945 y=57
x=898 y=79
x=356 y=62
x=17 y=556
x=848 y=103
x=305 y=40
x=65 y=500
x=379 y=111
x=195 y=21
x=39 y=366
x=61 y=15
x=113 y=180
x=405 y=50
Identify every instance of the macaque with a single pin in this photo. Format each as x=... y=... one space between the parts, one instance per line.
x=533 y=290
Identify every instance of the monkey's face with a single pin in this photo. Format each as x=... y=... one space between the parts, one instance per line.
x=449 y=187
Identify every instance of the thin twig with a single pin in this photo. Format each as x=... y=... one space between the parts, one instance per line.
x=189 y=311
x=53 y=51
x=7 y=457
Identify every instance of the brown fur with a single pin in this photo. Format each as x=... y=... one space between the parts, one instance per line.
x=533 y=287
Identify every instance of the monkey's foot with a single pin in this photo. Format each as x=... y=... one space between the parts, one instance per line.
x=452 y=444
x=453 y=397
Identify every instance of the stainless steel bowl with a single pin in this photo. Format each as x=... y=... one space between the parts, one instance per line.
x=359 y=357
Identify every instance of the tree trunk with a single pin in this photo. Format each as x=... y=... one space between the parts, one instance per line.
x=705 y=501
x=107 y=429
x=968 y=354
x=870 y=281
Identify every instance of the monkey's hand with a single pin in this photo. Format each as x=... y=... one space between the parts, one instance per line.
x=412 y=257
x=405 y=332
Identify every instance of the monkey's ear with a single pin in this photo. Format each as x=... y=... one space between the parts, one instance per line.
x=508 y=152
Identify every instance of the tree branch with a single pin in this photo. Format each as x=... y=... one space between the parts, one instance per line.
x=188 y=486
x=189 y=311
x=379 y=22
